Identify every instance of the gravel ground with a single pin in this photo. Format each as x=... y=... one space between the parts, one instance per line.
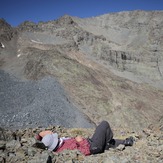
x=36 y=103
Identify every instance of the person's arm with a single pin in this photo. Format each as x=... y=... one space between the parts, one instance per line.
x=83 y=145
x=42 y=134
x=79 y=138
x=46 y=132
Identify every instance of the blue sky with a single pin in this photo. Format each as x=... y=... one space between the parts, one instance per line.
x=17 y=11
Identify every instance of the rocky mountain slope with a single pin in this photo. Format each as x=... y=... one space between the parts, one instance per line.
x=82 y=55
x=128 y=41
x=85 y=70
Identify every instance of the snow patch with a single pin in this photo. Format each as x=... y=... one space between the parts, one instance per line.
x=36 y=42
x=2 y=45
x=18 y=55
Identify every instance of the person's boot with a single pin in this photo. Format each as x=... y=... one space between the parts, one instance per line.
x=113 y=143
x=129 y=141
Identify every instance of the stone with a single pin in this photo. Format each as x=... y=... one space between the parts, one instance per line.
x=20 y=154
x=11 y=154
x=24 y=140
x=160 y=148
x=39 y=158
x=2 y=160
x=13 y=144
x=2 y=145
x=31 y=151
x=121 y=147
x=31 y=141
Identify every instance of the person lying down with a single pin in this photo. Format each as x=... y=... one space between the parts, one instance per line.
x=101 y=140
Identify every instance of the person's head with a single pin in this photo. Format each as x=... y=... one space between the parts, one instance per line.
x=50 y=141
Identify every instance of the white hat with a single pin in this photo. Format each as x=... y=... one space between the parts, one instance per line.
x=50 y=141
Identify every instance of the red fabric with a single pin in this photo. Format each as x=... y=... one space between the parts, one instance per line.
x=38 y=137
x=71 y=144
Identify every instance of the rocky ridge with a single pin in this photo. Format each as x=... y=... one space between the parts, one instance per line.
x=128 y=41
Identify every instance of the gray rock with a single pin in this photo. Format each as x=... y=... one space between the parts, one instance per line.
x=2 y=145
x=39 y=158
x=11 y=154
x=160 y=148
x=2 y=159
x=31 y=151
x=121 y=147
x=12 y=145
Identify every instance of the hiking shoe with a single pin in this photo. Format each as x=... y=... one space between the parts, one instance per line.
x=129 y=141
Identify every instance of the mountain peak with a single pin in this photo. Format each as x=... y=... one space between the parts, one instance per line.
x=66 y=20
x=6 y=31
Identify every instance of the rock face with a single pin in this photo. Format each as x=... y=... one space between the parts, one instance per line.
x=6 y=31
x=133 y=41
x=128 y=41
x=92 y=59
x=8 y=42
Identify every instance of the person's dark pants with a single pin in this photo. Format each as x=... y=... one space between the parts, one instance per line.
x=102 y=139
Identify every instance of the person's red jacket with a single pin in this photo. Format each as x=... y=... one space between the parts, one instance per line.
x=71 y=144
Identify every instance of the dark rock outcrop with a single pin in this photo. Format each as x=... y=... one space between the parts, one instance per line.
x=6 y=31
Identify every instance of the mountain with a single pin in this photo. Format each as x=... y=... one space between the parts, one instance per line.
x=69 y=74
x=110 y=66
